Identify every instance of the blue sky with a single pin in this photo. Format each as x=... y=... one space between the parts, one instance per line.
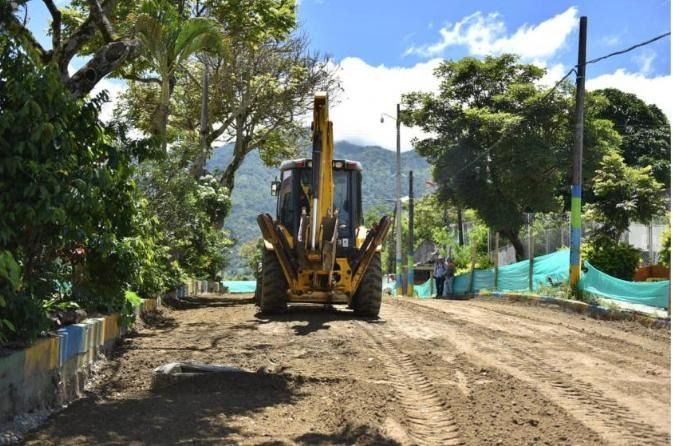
x=384 y=48
x=380 y=31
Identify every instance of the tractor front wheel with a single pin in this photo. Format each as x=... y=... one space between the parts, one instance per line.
x=367 y=298
x=273 y=295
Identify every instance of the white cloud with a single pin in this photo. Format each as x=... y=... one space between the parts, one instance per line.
x=644 y=59
x=370 y=91
x=652 y=90
x=487 y=35
x=114 y=89
x=611 y=40
x=553 y=75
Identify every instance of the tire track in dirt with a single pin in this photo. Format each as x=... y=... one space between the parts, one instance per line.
x=639 y=350
x=606 y=416
x=587 y=403
x=429 y=420
x=636 y=358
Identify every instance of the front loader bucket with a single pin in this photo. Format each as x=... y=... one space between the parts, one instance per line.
x=363 y=257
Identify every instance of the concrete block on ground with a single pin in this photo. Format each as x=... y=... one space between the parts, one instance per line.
x=112 y=331
x=42 y=356
x=62 y=346
x=99 y=331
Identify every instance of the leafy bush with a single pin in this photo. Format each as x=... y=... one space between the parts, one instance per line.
x=617 y=259
x=251 y=252
x=72 y=221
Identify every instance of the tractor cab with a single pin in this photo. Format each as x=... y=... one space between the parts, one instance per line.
x=295 y=195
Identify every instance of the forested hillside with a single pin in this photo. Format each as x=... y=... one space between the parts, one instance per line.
x=251 y=194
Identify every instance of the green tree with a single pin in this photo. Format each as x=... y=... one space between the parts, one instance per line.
x=497 y=143
x=501 y=142
x=251 y=252
x=623 y=194
x=644 y=129
x=190 y=212
x=169 y=40
x=69 y=206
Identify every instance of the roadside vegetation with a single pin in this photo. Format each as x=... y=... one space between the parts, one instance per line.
x=95 y=214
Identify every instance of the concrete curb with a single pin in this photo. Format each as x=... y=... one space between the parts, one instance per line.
x=53 y=371
x=575 y=306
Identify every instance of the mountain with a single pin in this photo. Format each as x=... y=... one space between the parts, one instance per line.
x=252 y=191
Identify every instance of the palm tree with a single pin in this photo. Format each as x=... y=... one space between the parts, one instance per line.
x=168 y=40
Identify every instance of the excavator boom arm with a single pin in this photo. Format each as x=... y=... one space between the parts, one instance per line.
x=322 y=156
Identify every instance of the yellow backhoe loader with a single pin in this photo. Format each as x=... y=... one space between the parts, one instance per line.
x=318 y=250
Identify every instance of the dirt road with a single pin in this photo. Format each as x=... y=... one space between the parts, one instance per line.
x=430 y=372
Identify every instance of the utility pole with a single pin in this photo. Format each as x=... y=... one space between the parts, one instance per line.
x=391 y=247
x=576 y=191
x=398 y=215
x=410 y=252
x=531 y=254
x=496 y=260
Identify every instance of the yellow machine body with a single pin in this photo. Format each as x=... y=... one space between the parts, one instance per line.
x=323 y=256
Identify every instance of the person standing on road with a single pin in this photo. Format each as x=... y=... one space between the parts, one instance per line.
x=450 y=273
x=439 y=273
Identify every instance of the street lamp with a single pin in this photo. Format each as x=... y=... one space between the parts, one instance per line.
x=398 y=215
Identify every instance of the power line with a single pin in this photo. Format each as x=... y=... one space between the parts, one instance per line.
x=631 y=48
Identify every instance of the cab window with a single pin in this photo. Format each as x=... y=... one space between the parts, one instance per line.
x=286 y=209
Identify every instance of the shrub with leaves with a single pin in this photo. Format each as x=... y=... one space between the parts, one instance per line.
x=617 y=259
x=71 y=217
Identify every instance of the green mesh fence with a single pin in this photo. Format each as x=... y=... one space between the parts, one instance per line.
x=240 y=286
x=552 y=270
x=548 y=270
x=654 y=294
x=425 y=290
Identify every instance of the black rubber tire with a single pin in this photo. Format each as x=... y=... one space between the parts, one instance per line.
x=273 y=296
x=258 y=291
x=367 y=299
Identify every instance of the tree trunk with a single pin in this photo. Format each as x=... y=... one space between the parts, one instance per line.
x=240 y=150
x=199 y=167
x=160 y=115
x=106 y=60
x=461 y=238
x=513 y=236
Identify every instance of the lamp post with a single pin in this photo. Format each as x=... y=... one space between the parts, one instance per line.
x=398 y=215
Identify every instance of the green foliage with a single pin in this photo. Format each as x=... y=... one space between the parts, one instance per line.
x=500 y=141
x=10 y=281
x=251 y=253
x=256 y=21
x=644 y=129
x=189 y=213
x=70 y=213
x=168 y=40
x=623 y=194
x=614 y=258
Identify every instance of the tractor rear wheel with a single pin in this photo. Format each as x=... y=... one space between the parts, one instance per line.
x=273 y=296
x=367 y=299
